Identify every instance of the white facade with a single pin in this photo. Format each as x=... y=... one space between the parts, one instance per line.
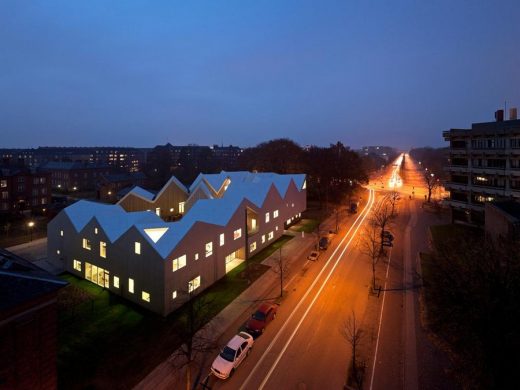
x=155 y=263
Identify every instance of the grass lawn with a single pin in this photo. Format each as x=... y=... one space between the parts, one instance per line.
x=105 y=341
x=307 y=225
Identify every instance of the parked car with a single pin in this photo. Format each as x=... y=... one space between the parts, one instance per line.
x=265 y=313
x=314 y=256
x=324 y=243
x=387 y=243
x=387 y=235
x=232 y=355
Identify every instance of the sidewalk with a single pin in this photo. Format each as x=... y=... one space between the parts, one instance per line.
x=165 y=376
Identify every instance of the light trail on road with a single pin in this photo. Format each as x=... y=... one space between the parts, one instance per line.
x=354 y=229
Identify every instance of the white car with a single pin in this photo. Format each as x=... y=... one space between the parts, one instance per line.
x=232 y=355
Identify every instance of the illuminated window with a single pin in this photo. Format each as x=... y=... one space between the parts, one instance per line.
x=174 y=294
x=275 y=214
x=209 y=249
x=158 y=211
x=61 y=233
x=263 y=238
x=276 y=228
x=77 y=265
x=237 y=234
x=103 y=249
x=178 y=263
x=145 y=296
x=95 y=230
x=131 y=285
x=137 y=247
x=292 y=204
x=196 y=256
x=304 y=185
x=116 y=281
x=194 y=284
x=86 y=244
x=266 y=217
x=288 y=222
x=270 y=235
x=181 y=207
x=252 y=246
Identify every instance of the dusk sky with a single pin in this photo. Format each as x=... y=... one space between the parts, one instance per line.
x=141 y=73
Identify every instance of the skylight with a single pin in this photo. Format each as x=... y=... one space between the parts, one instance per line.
x=155 y=234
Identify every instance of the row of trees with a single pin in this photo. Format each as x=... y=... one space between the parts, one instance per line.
x=332 y=171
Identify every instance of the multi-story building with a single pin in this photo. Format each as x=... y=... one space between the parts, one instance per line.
x=75 y=176
x=22 y=189
x=484 y=166
x=159 y=264
x=121 y=158
x=28 y=324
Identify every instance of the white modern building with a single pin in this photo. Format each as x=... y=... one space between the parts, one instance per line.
x=156 y=264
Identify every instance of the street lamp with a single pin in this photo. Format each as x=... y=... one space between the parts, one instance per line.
x=30 y=225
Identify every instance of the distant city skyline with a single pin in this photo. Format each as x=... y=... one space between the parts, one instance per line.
x=138 y=74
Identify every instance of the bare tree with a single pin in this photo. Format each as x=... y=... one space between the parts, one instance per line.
x=381 y=218
x=281 y=268
x=192 y=330
x=431 y=183
x=372 y=247
x=352 y=333
x=393 y=198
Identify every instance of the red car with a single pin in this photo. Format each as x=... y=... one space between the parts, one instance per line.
x=259 y=320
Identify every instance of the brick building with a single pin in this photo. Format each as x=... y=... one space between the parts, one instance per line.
x=27 y=324
x=23 y=189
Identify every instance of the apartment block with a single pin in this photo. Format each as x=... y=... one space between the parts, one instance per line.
x=484 y=166
x=131 y=250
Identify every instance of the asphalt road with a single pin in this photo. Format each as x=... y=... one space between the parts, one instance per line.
x=303 y=348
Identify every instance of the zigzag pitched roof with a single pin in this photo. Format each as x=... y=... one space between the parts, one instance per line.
x=149 y=196
x=244 y=186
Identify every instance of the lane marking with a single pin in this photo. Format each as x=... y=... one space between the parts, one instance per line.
x=380 y=322
x=278 y=335
x=270 y=372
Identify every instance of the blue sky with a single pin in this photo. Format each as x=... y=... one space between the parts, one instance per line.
x=141 y=73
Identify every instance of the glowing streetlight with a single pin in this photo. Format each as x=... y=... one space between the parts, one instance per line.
x=30 y=225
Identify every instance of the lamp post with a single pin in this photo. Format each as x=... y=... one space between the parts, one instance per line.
x=30 y=225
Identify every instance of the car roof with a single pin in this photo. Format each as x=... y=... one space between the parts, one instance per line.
x=236 y=342
x=264 y=307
